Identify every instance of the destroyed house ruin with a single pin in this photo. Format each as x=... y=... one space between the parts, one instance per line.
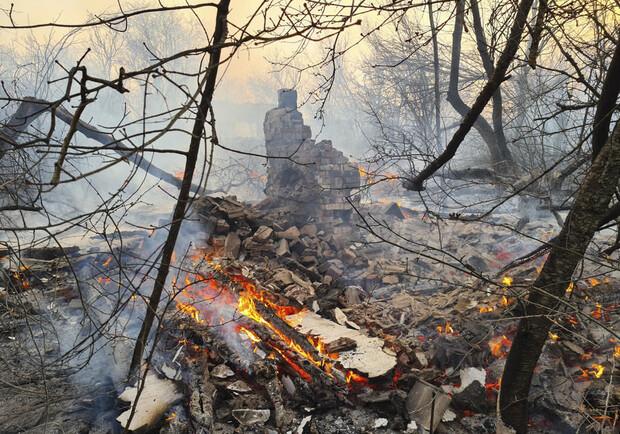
x=305 y=178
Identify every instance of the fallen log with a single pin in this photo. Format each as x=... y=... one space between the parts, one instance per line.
x=31 y=108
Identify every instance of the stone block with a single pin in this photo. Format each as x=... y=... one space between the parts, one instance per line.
x=262 y=234
x=287 y=99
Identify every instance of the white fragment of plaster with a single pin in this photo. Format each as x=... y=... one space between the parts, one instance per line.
x=156 y=397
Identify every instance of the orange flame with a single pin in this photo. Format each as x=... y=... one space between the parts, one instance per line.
x=245 y=305
x=497 y=343
x=447 y=330
x=598 y=372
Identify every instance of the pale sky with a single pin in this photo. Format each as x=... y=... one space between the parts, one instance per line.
x=77 y=11
x=65 y=11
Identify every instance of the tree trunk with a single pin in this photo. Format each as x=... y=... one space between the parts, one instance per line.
x=498 y=106
x=183 y=200
x=496 y=79
x=437 y=94
x=481 y=125
x=606 y=104
x=582 y=222
x=31 y=108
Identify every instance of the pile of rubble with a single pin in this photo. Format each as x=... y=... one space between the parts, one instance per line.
x=410 y=342
x=448 y=333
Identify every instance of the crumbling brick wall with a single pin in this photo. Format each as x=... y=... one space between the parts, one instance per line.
x=304 y=177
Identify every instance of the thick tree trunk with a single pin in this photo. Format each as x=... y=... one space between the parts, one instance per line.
x=606 y=104
x=496 y=79
x=498 y=105
x=550 y=286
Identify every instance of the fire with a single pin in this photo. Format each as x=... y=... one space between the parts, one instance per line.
x=207 y=289
x=507 y=281
x=554 y=336
x=598 y=370
x=486 y=309
x=190 y=310
x=506 y=301
x=497 y=343
x=370 y=176
x=171 y=417
x=447 y=330
x=247 y=308
x=21 y=279
x=353 y=377
x=593 y=281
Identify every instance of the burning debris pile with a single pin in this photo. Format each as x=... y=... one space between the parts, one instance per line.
x=291 y=330
x=286 y=328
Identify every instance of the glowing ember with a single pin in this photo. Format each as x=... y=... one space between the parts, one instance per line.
x=486 y=309
x=598 y=372
x=171 y=417
x=554 y=336
x=497 y=345
x=447 y=330
x=255 y=175
x=105 y=264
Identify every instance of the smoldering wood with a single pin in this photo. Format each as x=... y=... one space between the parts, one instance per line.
x=318 y=381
